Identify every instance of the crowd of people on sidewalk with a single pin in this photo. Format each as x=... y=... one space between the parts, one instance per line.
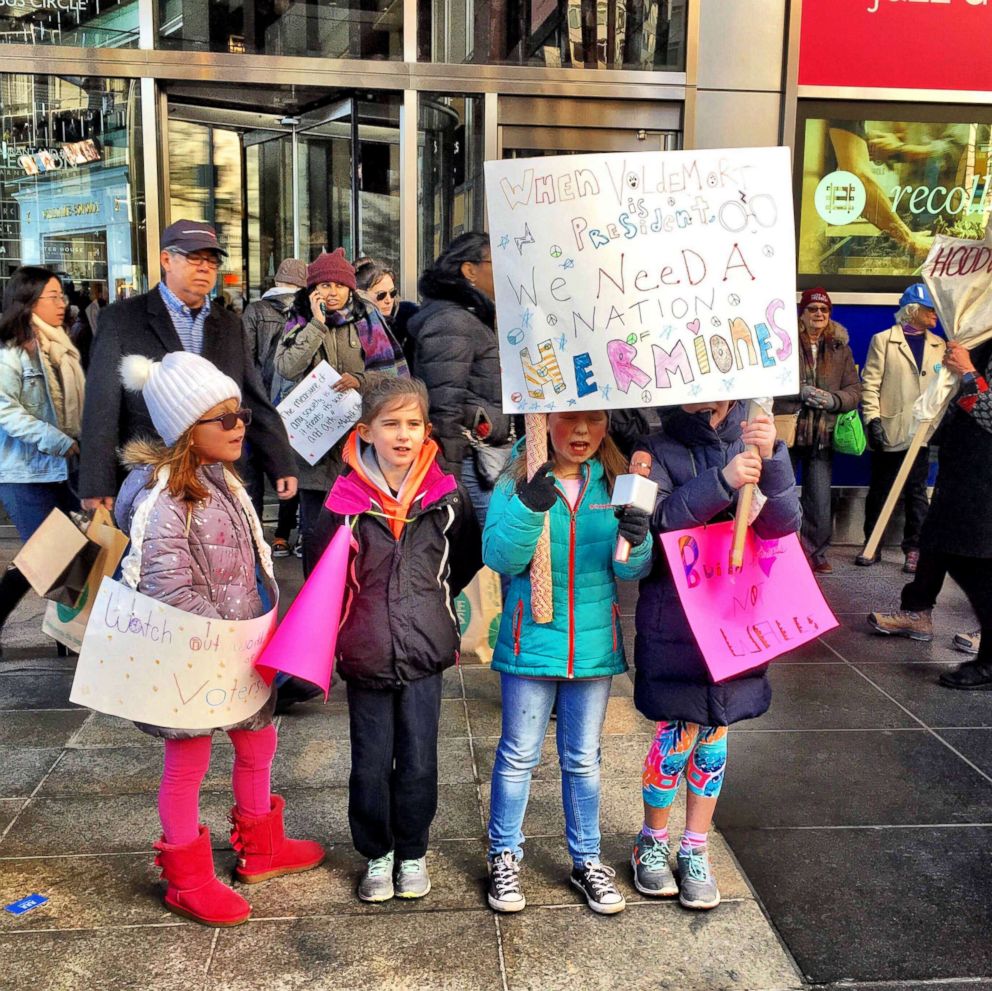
x=169 y=421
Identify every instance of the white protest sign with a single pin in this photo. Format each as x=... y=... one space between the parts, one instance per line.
x=644 y=279
x=316 y=416
x=152 y=663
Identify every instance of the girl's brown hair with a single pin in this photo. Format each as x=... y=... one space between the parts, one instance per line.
x=382 y=390
x=608 y=455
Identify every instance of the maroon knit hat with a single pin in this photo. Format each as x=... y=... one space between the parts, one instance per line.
x=817 y=295
x=331 y=266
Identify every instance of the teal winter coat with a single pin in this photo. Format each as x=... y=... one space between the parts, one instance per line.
x=584 y=640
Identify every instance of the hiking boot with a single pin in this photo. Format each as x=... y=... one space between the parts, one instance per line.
x=968 y=643
x=904 y=623
x=912 y=561
x=697 y=886
x=504 y=883
x=595 y=881
x=412 y=880
x=377 y=884
x=971 y=676
x=280 y=547
x=652 y=875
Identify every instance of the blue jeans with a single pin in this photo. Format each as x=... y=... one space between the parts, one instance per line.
x=478 y=496
x=527 y=706
x=28 y=503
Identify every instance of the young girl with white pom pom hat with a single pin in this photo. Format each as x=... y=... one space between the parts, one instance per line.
x=197 y=545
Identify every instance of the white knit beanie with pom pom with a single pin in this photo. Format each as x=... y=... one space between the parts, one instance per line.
x=177 y=390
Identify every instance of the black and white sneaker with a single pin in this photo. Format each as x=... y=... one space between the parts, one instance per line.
x=504 y=883
x=595 y=881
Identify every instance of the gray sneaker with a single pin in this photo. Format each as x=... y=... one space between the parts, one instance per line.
x=968 y=643
x=377 y=884
x=652 y=875
x=697 y=887
x=412 y=879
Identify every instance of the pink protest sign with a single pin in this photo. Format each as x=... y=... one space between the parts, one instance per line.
x=744 y=617
x=304 y=643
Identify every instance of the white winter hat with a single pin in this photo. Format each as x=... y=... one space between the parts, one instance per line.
x=178 y=390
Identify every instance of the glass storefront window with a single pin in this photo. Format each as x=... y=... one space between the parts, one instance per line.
x=577 y=34
x=78 y=23
x=451 y=197
x=71 y=194
x=361 y=29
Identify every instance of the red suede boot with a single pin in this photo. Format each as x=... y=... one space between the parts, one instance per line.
x=264 y=851
x=194 y=890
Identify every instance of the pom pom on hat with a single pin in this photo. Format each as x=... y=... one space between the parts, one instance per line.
x=177 y=390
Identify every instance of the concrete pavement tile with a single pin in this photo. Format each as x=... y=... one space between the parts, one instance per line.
x=646 y=948
x=115 y=771
x=814 y=652
x=85 y=892
x=620 y=809
x=975 y=744
x=826 y=696
x=22 y=769
x=41 y=690
x=101 y=730
x=129 y=823
x=857 y=778
x=457 y=869
x=168 y=958
x=325 y=764
x=26 y=661
x=876 y=904
x=443 y=951
x=858 y=643
x=9 y=807
x=917 y=688
x=52 y=728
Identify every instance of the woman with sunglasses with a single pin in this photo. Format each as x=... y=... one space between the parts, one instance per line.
x=377 y=285
x=829 y=386
x=41 y=402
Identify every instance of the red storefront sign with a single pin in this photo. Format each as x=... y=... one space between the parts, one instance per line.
x=896 y=44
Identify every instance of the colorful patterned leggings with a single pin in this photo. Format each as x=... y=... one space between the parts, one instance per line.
x=699 y=752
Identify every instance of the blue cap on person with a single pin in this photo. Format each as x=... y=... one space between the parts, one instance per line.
x=177 y=390
x=190 y=235
x=917 y=293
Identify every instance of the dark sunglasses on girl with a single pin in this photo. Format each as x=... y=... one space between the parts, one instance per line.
x=230 y=420
x=391 y=293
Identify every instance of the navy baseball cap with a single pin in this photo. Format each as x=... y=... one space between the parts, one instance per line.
x=190 y=235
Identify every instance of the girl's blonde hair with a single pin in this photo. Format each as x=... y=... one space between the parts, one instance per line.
x=182 y=463
x=608 y=455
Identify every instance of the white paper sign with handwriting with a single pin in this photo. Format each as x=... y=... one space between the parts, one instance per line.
x=152 y=663
x=644 y=279
x=317 y=417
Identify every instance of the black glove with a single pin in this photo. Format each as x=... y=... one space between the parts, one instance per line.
x=876 y=435
x=539 y=494
x=634 y=524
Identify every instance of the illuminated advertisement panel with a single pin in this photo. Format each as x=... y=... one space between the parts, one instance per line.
x=877 y=183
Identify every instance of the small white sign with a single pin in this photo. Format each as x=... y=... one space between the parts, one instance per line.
x=317 y=417
x=150 y=662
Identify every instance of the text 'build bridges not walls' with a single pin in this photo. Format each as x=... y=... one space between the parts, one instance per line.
x=644 y=279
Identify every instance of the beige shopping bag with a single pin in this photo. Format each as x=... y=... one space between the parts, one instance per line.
x=479 y=608
x=57 y=559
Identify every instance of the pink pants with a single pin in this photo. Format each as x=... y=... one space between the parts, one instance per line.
x=186 y=765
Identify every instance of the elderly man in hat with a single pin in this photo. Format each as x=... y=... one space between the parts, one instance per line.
x=176 y=315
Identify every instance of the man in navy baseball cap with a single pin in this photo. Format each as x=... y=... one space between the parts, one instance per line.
x=187 y=236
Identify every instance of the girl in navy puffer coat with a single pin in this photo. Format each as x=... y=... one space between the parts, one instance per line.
x=700 y=462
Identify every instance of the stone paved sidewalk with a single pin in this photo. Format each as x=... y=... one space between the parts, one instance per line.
x=77 y=817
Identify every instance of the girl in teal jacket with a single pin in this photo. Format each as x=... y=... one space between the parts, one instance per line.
x=567 y=663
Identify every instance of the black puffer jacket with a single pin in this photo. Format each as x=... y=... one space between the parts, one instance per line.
x=398 y=620
x=457 y=356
